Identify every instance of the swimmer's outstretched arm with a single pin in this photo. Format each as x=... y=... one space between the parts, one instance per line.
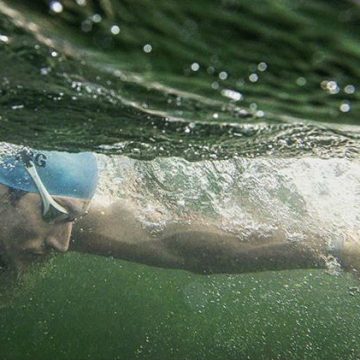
x=201 y=248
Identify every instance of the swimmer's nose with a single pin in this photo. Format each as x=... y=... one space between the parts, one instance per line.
x=59 y=237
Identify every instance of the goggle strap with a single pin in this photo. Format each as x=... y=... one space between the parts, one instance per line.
x=46 y=198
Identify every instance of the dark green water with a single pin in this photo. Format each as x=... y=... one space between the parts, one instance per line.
x=197 y=80
x=86 y=307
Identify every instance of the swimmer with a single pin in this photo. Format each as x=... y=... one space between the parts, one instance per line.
x=47 y=205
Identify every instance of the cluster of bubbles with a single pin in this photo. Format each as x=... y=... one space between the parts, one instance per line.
x=333 y=88
x=87 y=25
x=227 y=91
x=230 y=87
x=230 y=93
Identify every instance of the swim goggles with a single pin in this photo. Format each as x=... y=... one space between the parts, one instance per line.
x=51 y=210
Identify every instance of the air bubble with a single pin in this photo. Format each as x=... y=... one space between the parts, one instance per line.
x=253 y=77
x=147 y=48
x=330 y=86
x=223 y=75
x=56 y=7
x=96 y=18
x=231 y=94
x=17 y=107
x=86 y=26
x=115 y=30
x=262 y=66
x=195 y=66
x=345 y=107
x=45 y=70
x=301 y=81
x=215 y=85
x=4 y=38
x=253 y=106
x=349 y=89
x=210 y=70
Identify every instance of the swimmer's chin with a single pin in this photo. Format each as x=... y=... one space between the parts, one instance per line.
x=19 y=264
x=13 y=275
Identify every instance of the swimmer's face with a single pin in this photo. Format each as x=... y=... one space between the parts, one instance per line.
x=25 y=235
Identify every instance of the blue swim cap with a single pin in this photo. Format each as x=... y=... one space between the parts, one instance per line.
x=63 y=174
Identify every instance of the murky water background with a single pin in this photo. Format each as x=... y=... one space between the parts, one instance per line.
x=261 y=97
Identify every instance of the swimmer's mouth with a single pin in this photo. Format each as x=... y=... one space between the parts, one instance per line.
x=30 y=256
x=36 y=252
x=22 y=260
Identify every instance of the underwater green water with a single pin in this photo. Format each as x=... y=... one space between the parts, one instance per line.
x=82 y=307
x=200 y=80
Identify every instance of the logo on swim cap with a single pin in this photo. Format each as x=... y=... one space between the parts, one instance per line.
x=38 y=159
x=62 y=173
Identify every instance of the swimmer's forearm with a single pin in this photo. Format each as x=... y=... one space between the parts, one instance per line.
x=217 y=252
x=174 y=252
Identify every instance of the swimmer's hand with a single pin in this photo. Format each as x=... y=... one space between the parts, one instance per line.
x=349 y=255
